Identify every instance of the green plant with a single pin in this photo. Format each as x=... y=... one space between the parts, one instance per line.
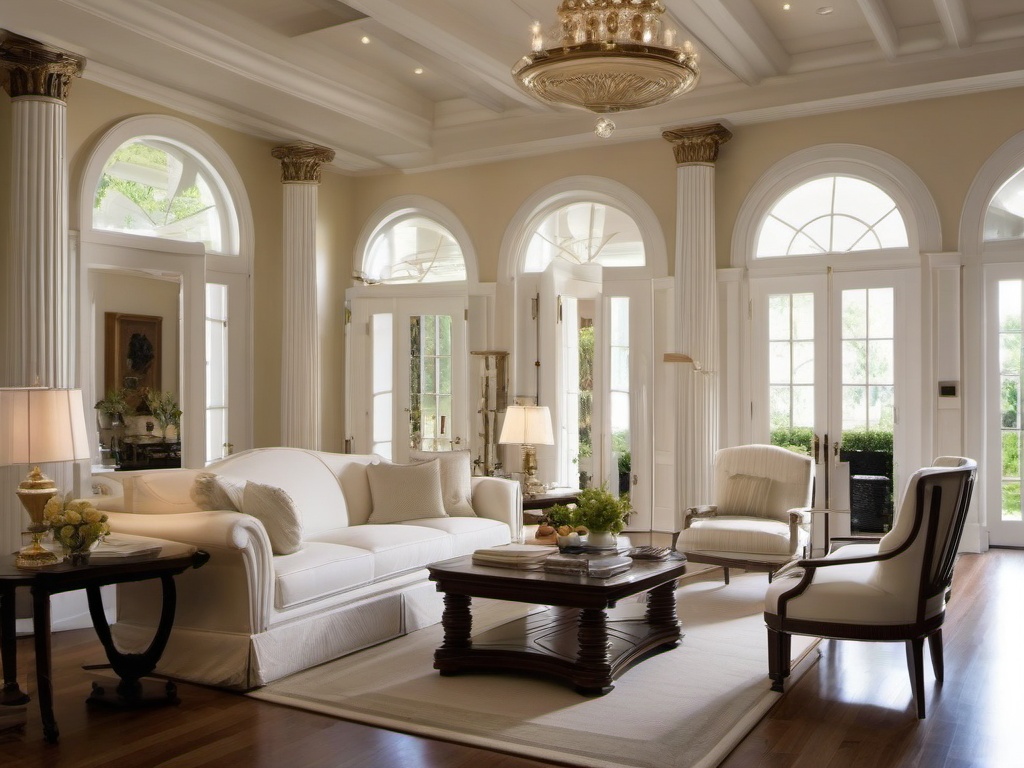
x=867 y=440
x=596 y=509
x=796 y=439
x=164 y=408
x=625 y=463
x=114 y=404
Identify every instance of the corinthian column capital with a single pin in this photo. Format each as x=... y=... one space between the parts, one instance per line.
x=697 y=143
x=300 y=162
x=34 y=69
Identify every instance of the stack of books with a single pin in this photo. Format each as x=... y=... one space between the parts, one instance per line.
x=114 y=548
x=582 y=565
x=528 y=557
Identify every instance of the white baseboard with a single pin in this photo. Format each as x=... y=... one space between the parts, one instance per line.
x=975 y=539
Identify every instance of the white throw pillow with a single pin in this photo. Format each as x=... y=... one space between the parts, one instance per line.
x=405 y=491
x=456 y=480
x=274 y=508
x=745 y=495
x=211 y=491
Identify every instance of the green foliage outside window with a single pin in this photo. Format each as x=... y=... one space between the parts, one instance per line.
x=867 y=440
x=796 y=439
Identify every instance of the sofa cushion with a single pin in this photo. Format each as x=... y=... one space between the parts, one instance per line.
x=274 y=508
x=456 y=480
x=405 y=491
x=396 y=548
x=212 y=491
x=468 y=533
x=319 y=570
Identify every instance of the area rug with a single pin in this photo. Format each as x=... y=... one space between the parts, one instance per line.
x=684 y=708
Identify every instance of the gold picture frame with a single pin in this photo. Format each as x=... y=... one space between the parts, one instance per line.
x=132 y=353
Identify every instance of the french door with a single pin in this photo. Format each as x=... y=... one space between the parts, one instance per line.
x=1003 y=469
x=833 y=368
x=407 y=373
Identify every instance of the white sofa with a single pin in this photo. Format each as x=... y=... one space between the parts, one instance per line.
x=250 y=616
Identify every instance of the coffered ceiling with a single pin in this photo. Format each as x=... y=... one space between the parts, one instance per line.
x=415 y=84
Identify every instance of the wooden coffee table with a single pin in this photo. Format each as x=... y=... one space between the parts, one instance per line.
x=576 y=641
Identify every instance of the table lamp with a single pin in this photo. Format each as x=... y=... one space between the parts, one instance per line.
x=528 y=426
x=39 y=426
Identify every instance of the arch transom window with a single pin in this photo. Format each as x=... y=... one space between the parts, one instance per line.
x=154 y=186
x=834 y=214
x=584 y=233
x=413 y=249
x=1004 y=219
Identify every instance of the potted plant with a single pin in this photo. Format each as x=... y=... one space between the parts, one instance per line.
x=603 y=515
x=164 y=408
x=113 y=408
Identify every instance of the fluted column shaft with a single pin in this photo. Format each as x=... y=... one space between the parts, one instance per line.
x=696 y=327
x=300 y=363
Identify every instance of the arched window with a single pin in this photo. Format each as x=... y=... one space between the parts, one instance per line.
x=154 y=186
x=413 y=248
x=833 y=214
x=585 y=233
x=1004 y=219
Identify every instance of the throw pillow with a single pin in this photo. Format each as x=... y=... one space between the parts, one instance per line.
x=745 y=495
x=456 y=480
x=405 y=491
x=274 y=508
x=210 y=491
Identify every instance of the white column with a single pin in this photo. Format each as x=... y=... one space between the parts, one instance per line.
x=39 y=327
x=300 y=356
x=696 y=150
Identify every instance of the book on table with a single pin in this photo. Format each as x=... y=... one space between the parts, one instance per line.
x=117 y=548
x=523 y=556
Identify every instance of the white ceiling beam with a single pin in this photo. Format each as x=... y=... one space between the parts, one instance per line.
x=881 y=25
x=445 y=36
x=194 y=39
x=735 y=33
x=474 y=87
x=955 y=22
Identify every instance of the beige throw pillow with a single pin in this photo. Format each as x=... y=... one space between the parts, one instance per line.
x=211 y=491
x=456 y=480
x=745 y=495
x=405 y=491
x=274 y=508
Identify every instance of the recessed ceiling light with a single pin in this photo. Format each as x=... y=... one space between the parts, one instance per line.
x=786 y=6
x=418 y=71
x=825 y=10
x=364 y=40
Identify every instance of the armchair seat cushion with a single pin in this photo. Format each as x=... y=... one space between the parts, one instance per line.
x=746 y=535
x=848 y=594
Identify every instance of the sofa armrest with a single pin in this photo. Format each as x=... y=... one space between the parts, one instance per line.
x=219 y=532
x=499 y=499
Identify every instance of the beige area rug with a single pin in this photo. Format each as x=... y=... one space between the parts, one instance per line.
x=684 y=708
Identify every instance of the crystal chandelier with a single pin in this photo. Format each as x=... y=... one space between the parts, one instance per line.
x=613 y=56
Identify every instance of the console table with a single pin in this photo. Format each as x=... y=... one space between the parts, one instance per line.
x=172 y=559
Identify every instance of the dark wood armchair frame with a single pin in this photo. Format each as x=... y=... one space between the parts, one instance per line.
x=937 y=561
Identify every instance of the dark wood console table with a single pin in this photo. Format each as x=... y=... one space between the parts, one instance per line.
x=575 y=641
x=172 y=559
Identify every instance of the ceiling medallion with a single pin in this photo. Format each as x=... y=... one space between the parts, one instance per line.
x=613 y=56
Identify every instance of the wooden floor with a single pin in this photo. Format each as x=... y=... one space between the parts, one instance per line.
x=853 y=708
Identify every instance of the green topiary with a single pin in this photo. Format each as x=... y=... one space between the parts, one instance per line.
x=596 y=509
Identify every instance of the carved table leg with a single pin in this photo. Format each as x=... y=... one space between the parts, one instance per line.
x=131 y=667
x=44 y=666
x=662 y=608
x=592 y=663
x=11 y=693
x=457 y=621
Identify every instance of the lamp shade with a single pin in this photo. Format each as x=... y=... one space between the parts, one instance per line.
x=39 y=425
x=527 y=425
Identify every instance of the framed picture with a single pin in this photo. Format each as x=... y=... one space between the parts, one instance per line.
x=132 y=353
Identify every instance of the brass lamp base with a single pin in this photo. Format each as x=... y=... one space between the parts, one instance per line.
x=531 y=485
x=35 y=555
x=34 y=491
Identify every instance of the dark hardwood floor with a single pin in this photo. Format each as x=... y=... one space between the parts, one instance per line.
x=853 y=708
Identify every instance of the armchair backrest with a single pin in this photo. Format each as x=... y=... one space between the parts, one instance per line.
x=919 y=552
x=789 y=481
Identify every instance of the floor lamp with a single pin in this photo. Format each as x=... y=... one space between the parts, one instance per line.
x=40 y=426
x=528 y=426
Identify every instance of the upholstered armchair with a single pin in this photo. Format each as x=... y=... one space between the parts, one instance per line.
x=760 y=519
x=897 y=593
